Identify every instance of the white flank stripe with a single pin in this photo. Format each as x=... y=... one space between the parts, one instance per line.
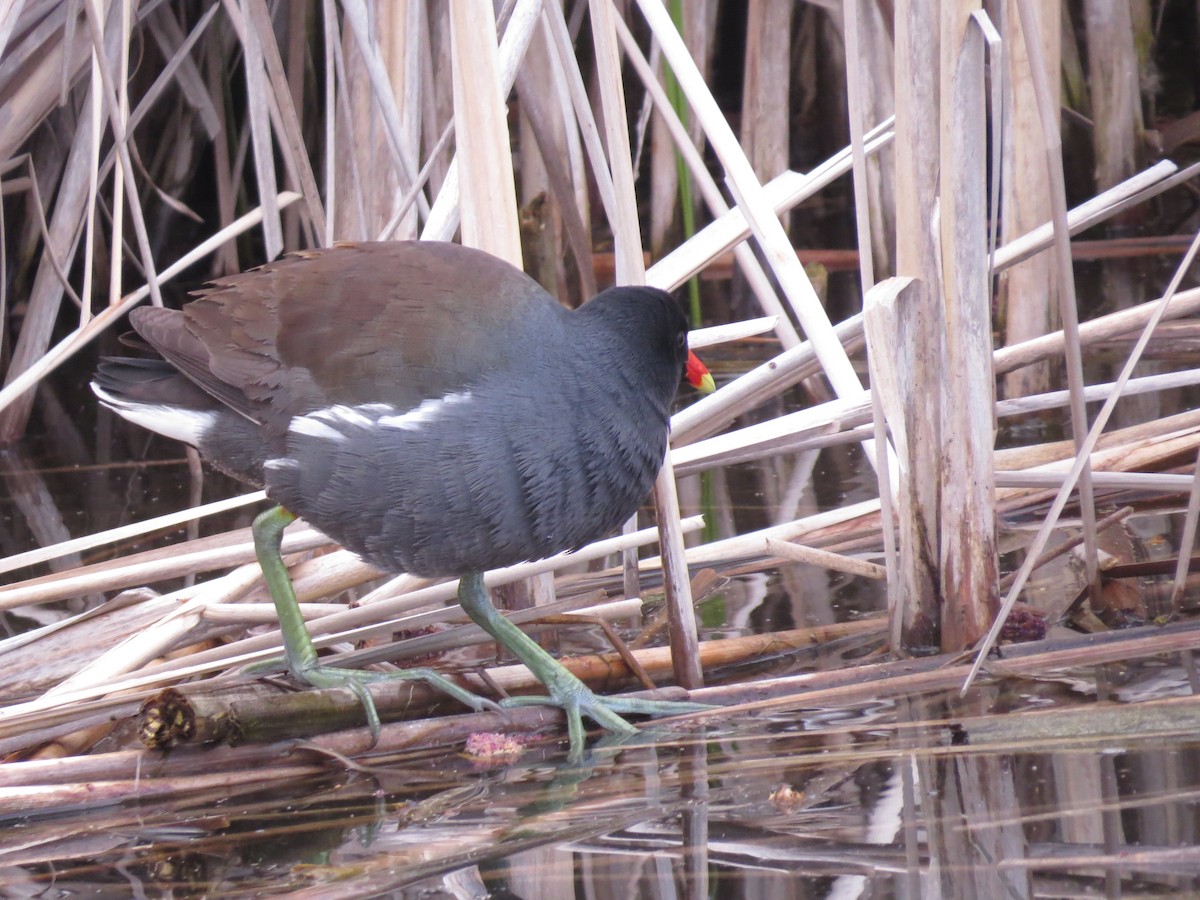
x=429 y=410
x=358 y=416
x=311 y=426
x=375 y=409
x=279 y=464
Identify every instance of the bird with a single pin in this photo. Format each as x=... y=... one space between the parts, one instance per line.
x=431 y=408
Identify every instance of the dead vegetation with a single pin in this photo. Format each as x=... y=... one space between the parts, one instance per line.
x=168 y=141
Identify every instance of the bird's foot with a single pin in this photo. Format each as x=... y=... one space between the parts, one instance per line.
x=577 y=700
x=566 y=691
x=300 y=656
x=356 y=681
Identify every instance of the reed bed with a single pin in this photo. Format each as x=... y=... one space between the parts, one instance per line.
x=150 y=143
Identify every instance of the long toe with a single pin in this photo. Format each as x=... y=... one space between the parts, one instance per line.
x=356 y=680
x=644 y=707
x=440 y=682
x=604 y=711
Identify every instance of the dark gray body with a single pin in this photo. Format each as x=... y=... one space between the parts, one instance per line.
x=425 y=405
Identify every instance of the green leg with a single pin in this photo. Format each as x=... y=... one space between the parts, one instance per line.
x=574 y=697
x=299 y=653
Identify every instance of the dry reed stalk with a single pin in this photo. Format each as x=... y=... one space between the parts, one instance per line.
x=914 y=620
x=263 y=148
x=756 y=277
x=172 y=771
x=856 y=91
x=325 y=630
x=1095 y=393
x=1126 y=458
x=1114 y=35
x=1165 y=308
x=1112 y=442
x=1110 y=481
x=630 y=269
x=259 y=713
x=8 y=21
x=870 y=98
x=755 y=441
x=714 y=413
x=1124 y=454
x=1027 y=294
x=397 y=68
x=443 y=217
x=45 y=295
x=1187 y=540
x=125 y=532
x=110 y=94
x=97 y=792
x=20 y=384
x=967 y=563
x=33 y=67
x=700 y=338
x=489 y=200
x=219 y=551
x=44 y=717
x=890 y=363
x=911 y=676
x=784 y=191
x=1133 y=191
x=403 y=160
x=698 y=26
x=835 y=562
x=260 y=40
x=1084 y=451
x=1065 y=277
x=767 y=77
x=870 y=90
x=551 y=167
x=753 y=201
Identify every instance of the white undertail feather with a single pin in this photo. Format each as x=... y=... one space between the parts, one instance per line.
x=185 y=425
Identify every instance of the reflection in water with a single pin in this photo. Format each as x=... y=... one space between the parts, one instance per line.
x=694 y=821
x=970 y=813
x=931 y=799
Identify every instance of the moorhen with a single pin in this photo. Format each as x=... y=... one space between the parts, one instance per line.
x=429 y=407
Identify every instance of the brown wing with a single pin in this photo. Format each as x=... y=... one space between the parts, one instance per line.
x=395 y=322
